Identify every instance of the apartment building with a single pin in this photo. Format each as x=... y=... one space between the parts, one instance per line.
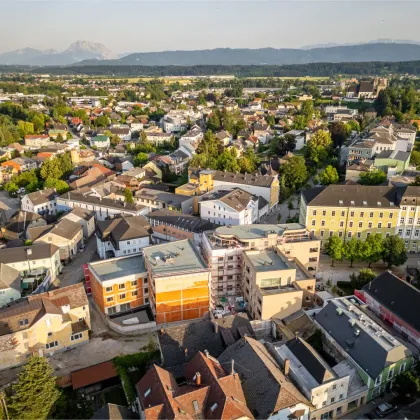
x=37 y=141
x=84 y=217
x=43 y=324
x=42 y=202
x=179 y=281
x=119 y=284
x=155 y=199
x=350 y=333
x=408 y=223
x=350 y=211
x=275 y=286
x=224 y=247
x=122 y=236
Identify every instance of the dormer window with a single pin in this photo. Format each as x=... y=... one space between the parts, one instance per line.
x=23 y=322
x=147 y=392
x=213 y=407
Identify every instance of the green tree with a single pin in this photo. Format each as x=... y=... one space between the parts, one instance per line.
x=334 y=249
x=141 y=159
x=338 y=133
x=375 y=177
x=213 y=122
x=415 y=158
x=227 y=161
x=365 y=276
x=59 y=138
x=352 y=250
x=299 y=122
x=35 y=392
x=408 y=383
x=329 y=175
x=60 y=185
x=65 y=163
x=416 y=182
x=293 y=172
x=372 y=249
x=51 y=169
x=319 y=147
x=128 y=196
x=394 y=252
x=11 y=188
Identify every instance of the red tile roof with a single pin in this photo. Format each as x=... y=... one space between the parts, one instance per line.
x=92 y=375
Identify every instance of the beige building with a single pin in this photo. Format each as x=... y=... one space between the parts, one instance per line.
x=43 y=324
x=275 y=286
x=84 y=217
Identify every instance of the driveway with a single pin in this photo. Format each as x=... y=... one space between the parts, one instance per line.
x=73 y=272
x=8 y=205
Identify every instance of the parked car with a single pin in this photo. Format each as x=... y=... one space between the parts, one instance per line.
x=384 y=409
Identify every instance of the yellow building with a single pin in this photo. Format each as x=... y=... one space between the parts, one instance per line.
x=43 y=324
x=350 y=211
x=409 y=218
x=274 y=285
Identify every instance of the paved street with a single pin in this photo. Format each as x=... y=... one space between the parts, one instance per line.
x=73 y=273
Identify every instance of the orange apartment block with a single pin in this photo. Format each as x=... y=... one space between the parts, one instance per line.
x=119 y=284
x=179 y=281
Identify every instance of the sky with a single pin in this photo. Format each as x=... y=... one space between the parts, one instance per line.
x=126 y=26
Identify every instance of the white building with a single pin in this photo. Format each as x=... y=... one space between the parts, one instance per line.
x=300 y=138
x=86 y=218
x=42 y=202
x=192 y=138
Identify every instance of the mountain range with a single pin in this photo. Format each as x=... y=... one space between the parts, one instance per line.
x=78 y=51
x=83 y=53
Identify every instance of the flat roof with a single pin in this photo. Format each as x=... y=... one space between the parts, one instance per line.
x=257 y=231
x=115 y=268
x=93 y=374
x=266 y=261
x=173 y=257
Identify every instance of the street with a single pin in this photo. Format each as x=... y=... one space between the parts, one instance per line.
x=73 y=272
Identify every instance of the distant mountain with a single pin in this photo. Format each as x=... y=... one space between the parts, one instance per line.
x=390 y=52
x=78 y=51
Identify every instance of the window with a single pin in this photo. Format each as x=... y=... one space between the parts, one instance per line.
x=230 y=258
x=341 y=223
x=410 y=221
x=349 y=234
x=332 y=399
x=390 y=373
x=313 y=212
x=121 y=286
x=50 y=334
x=122 y=296
x=378 y=380
x=324 y=213
x=334 y=387
x=109 y=299
x=108 y=289
x=379 y=225
x=321 y=233
x=213 y=407
x=322 y=222
x=339 y=410
x=148 y=391
x=340 y=234
x=389 y=225
x=401 y=369
x=362 y=214
x=404 y=208
x=324 y=403
x=370 y=225
x=331 y=233
x=381 y=215
x=77 y=336
x=196 y=406
x=352 y=214
x=333 y=213
x=350 y=224
x=371 y=214
x=51 y=345
x=134 y=293
x=220 y=259
x=343 y=213
x=402 y=220
x=360 y=224
x=134 y=283
x=341 y=396
x=23 y=322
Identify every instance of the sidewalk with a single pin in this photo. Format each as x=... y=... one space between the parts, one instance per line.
x=367 y=408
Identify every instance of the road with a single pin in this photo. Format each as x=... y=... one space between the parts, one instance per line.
x=73 y=272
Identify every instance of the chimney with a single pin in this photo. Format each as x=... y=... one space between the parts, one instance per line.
x=206 y=352
x=286 y=367
x=198 y=379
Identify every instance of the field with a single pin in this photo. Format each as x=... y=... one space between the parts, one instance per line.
x=167 y=79
x=309 y=78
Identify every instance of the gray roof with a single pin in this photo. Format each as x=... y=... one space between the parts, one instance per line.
x=114 y=412
x=115 y=268
x=34 y=252
x=396 y=295
x=266 y=261
x=393 y=154
x=266 y=388
x=9 y=278
x=36 y=232
x=170 y=199
x=185 y=221
x=43 y=196
x=20 y=220
x=66 y=229
x=371 y=352
x=82 y=213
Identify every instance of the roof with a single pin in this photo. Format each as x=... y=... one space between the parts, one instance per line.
x=266 y=388
x=182 y=221
x=34 y=252
x=236 y=199
x=114 y=412
x=82 y=213
x=34 y=307
x=352 y=196
x=93 y=374
x=36 y=232
x=266 y=261
x=373 y=349
x=114 y=268
x=43 y=196
x=170 y=199
x=396 y=295
x=66 y=229
x=174 y=257
x=123 y=229
x=20 y=220
x=9 y=278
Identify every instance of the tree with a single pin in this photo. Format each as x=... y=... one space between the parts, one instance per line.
x=65 y=163
x=11 y=188
x=372 y=249
x=59 y=138
x=128 y=196
x=51 y=169
x=352 y=125
x=408 y=383
x=319 y=147
x=375 y=177
x=299 y=122
x=213 y=122
x=35 y=392
x=382 y=103
x=334 y=249
x=352 y=250
x=141 y=159
x=329 y=175
x=365 y=276
x=415 y=158
x=394 y=252
x=60 y=185
x=338 y=133
x=293 y=172
x=227 y=161
x=416 y=182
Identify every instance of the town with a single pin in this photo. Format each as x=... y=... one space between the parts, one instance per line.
x=209 y=247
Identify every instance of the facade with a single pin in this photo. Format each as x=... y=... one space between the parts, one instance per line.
x=274 y=286
x=119 y=284
x=122 y=236
x=179 y=281
x=408 y=223
x=100 y=142
x=43 y=324
x=396 y=302
x=84 y=217
x=103 y=207
x=159 y=138
x=67 y=236
x=155 y=200
x=10 y=284
x=350 y=211
x=36 y=141
x=349 y=333
x=42 y=202
x=223 y=250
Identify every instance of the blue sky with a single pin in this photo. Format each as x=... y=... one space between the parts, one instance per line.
x=138 y=25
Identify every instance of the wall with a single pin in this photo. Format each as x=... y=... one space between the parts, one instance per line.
x=8 y=295
x=280 y=304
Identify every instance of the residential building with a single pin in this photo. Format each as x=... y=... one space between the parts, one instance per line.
x=10 y=284
x=100 y=142
x=275 y=286
x=55 y=132
x=158 y=138
x=119 y=284
x=191 y=139
x=336 y=113
x=350 y=333
x=392 y=162
x=261 y=375
x=43 y=324
x=179 y=281
x=223 y=250
x=396 y=302
x=349 y=211
x=235 y=207
x=36 y=141
x=103 y=207
x=67 y=235
x=19 y=223
x=42 y=202
x=210 y=391
x=169 y=226
x=122 y=236
x=300 y=137
x=155 y=199
x=331 y=390
x=19 y=165
x=174 y=122
x=84 y=217
x=354 y=170
x=124 y=133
